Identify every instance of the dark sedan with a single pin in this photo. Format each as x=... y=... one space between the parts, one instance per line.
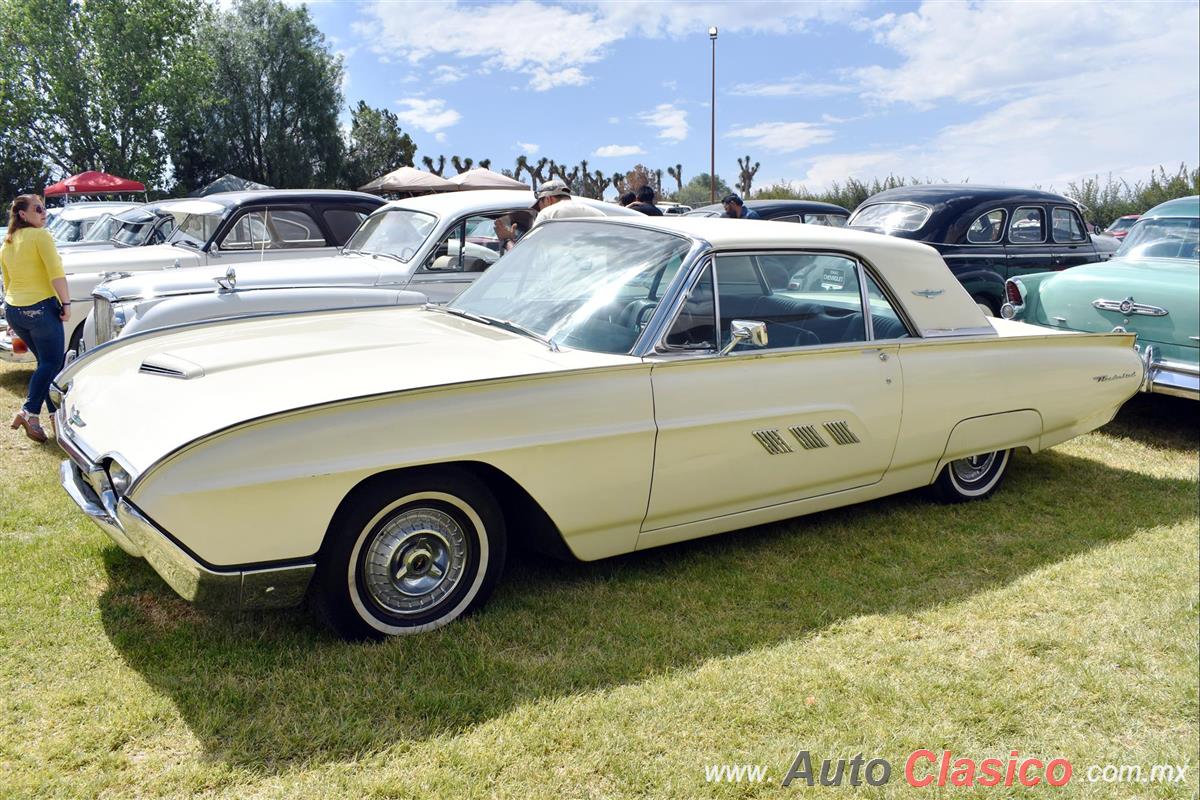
x=809 y=212
x=987 y=234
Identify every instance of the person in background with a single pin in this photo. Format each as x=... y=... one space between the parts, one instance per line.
x=645 y=202
x=554 y=201
x=508 y=231
x=36 y=302
x=736 y=209
x=627 y=199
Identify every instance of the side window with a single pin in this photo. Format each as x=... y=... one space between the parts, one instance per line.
x=471 y=245
x=293 y=229
x=343 y=222
x=249 y=232
x=695 y=328
x=828 y=220
x=885 y=322
x=1067 y=225
x=987 y=229
x=1028 y=226
x=789 y=218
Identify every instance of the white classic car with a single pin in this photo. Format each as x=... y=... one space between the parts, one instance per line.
x=75 y=221
x=609 y=386
x=406 y=252
x=227 y=228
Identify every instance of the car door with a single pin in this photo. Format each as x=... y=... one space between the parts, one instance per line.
x=466 y=248
x=815 y=411
x=271 y=234
x=1068 y=236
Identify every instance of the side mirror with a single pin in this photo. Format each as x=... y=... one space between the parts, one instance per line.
x=746 y=330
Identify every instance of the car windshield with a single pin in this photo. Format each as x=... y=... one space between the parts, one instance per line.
x=585 y=285
x=396 y=232
x=891 y=217
x=1122 y=224
x=102 y=229
x=1165 y=237
x=69 y=230
x=195 y=229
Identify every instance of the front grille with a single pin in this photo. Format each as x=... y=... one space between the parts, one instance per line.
x=102 y=314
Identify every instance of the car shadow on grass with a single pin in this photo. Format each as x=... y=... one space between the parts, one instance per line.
x=1170 y=423
x=268 y=690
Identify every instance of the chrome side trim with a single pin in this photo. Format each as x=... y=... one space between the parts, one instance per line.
x=808 y=437
x=942 y=333
x=772 y=442
x=1128 y=306
x=841 y=433
x=234 y=589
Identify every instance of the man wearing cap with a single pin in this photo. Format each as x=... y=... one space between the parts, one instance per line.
x=554 y=201
x=736 y=209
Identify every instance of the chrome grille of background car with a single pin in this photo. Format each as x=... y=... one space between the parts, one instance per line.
x=102 y=315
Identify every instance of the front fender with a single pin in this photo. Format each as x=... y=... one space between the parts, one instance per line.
x=217 y=305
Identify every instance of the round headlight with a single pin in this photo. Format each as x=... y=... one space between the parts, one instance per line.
x=119 y=318
x=118 y=477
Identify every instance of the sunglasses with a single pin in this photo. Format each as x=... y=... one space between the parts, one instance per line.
x=39 y=210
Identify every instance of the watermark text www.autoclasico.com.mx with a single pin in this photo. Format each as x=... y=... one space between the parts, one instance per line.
x=927 y=768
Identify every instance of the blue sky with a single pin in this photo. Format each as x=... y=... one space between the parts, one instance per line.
x=1018 y=93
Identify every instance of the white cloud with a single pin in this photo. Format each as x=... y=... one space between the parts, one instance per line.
x=616 y=150
x=528 y=148
x=1058 y=94
x=439 y=137
x=798 y=86
x=553 y=44
x=781 y=137
x=426 y=114
x=671 y=122
x=614 y=120
x=444 y=73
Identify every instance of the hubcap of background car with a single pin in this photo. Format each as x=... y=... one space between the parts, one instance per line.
x=971 y=469
x=415 y=561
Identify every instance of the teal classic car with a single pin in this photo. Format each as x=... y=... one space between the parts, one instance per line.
x=1151 y=288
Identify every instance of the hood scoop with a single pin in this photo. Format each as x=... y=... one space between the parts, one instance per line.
x=165 y=365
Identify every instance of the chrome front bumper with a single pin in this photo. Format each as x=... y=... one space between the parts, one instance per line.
x=230 y=589
x=1174 y=378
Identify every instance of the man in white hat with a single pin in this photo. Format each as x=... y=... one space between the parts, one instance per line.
x=554 y=201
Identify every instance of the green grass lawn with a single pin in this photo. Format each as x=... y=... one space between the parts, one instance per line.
x=1061 y=618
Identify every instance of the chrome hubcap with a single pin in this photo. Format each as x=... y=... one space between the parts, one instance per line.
x=415 y=561
x=971 y=469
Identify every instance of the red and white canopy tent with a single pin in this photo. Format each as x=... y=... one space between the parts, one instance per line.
x=92 y=184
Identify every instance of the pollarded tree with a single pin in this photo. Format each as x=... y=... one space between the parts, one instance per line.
x=439 y=169
x=746 y=176
x=676 y=172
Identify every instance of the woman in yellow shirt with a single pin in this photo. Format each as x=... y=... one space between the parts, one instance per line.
x=36 y=302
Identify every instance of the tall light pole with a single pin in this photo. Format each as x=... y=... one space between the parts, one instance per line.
x=712 y=147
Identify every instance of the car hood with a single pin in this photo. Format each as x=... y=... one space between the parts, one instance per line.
x=1170 y=284
x=156 y=256
x=250 y=275
x=182 y=385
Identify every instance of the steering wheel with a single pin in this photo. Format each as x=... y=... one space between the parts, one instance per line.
x=635 y=313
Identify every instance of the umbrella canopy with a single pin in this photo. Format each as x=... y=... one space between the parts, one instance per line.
x=482 y=178
x=91 y=182
x=407 y=180
x=228 y=183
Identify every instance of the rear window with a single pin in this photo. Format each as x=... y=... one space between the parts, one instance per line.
x=891 y=217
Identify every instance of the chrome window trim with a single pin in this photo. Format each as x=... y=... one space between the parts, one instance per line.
x=928 y=213
x=654 y=334
x=1008 y=230
x=1003 y=228
x=1078 y=218
x=662 y=349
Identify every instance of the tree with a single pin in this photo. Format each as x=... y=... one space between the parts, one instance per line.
x=377 y=145
x=676 y=172
x=88 y=84
x=275 y=96
x=746 y=175
x=441 y=165
x=638 y=177
x=696 y=191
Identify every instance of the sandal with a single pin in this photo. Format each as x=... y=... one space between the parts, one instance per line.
x=31 y=424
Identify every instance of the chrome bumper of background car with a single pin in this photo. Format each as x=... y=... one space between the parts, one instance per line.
x=1174 y=378
x=6 y=350
x=234 y=589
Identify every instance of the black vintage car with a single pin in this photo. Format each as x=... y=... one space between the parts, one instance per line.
x=986 y=234
x=806 y=211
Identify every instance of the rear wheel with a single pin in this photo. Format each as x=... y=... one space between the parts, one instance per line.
x=410 y=555
x=971 y=478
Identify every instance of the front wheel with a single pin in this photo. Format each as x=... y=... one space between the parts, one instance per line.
x=410 y=554
x=971 y=478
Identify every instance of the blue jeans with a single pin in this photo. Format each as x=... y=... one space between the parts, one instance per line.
x=39 y=326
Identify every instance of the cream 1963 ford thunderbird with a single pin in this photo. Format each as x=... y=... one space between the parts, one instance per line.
x=609 y=386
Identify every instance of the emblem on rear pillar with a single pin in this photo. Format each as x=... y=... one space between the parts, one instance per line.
x=928 y=293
